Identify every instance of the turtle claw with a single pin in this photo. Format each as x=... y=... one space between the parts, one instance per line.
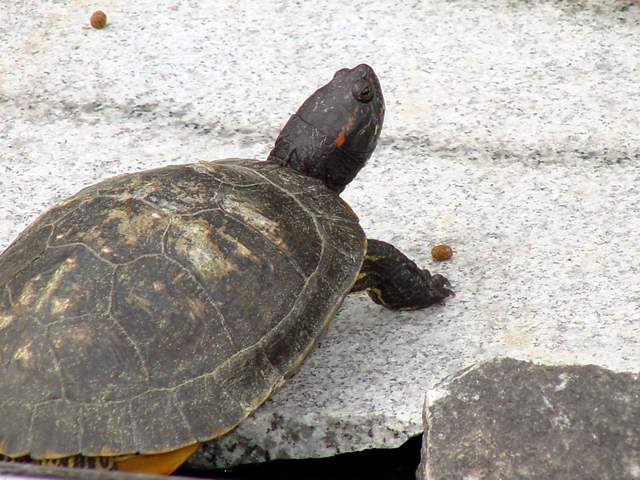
x=396 y=282
x=442 y=284
x=439 y=287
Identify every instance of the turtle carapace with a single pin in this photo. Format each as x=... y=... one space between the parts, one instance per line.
x=156 y=310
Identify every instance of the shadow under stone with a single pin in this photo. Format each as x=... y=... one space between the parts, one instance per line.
x=375 y=464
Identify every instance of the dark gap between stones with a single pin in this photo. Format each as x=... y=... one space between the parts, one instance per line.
x=375 y=464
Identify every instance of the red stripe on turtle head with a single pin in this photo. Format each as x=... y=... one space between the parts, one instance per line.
x=336 y=129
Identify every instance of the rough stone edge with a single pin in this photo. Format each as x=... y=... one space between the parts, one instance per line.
x=433 y=395
x=440 y=390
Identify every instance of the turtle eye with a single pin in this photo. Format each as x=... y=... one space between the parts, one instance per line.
x=362 y=91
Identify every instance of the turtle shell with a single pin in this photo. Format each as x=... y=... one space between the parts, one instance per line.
x=158 y=309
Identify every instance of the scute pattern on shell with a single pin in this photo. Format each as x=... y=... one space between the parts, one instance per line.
x=160 y=308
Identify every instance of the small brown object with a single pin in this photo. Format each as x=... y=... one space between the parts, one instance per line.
x=441 y=252
x=98 y=19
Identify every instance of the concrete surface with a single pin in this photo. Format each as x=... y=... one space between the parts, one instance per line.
x=519 y=420
x=511 y=134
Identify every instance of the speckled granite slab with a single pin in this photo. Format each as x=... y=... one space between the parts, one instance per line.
x=511 y=134
x=524 y=421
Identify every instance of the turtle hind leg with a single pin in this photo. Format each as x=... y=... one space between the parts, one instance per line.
x=396 y=282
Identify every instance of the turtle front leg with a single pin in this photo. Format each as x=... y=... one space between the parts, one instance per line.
x=396 y=282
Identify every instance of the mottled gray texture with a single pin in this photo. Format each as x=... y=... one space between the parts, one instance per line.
x=517 y=420
x=511 y=134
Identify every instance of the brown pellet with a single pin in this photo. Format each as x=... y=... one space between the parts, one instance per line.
x=98 y=19
x=441 y=252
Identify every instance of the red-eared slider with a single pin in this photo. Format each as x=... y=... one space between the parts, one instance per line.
x=157 y=310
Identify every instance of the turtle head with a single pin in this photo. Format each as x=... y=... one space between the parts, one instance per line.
x=334 y=132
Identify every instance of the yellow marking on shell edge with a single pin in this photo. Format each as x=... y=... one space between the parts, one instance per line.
x=360 y=276
x=14 y=454
x=52 y=455
x=374 y=258
x=158 y=463
x=106 y=452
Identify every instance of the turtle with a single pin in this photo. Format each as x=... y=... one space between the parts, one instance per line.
x=156 y=310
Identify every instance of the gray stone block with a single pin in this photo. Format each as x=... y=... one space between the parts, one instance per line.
x=507 y=419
